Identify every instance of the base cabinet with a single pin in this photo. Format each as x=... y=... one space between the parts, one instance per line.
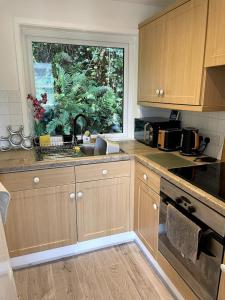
x=146 y=215
x=102 y=207
x=41 y=219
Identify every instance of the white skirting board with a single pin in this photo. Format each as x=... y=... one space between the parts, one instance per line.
x=158 y=269
x=41 y=257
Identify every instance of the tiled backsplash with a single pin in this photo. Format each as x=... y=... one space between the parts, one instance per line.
x=210 y=124
x=10 y=110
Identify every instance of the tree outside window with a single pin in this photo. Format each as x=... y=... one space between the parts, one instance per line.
x=79 y=79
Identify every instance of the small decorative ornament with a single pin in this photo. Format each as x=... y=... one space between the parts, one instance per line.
x=16 y=140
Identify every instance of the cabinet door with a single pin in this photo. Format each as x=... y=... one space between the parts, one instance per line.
x=41 y=219
x=146 y=215
x=221 y=295
x=102 y=207
x=150 y=60
x=215 y=43
x=185 y=30
x=7 y=284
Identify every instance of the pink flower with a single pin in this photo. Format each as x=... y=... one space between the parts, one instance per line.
x=39 y=110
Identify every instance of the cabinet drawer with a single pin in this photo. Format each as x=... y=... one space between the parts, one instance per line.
x=37 y=179
x=102 y=171
x=148 y=177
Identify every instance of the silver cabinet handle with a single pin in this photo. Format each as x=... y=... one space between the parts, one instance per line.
x=161 y=92
x=145 y=176
x=72 y=196
x=36 y=179
x=104 y=172
x=157 y=92
x=222 y=267
x=155 y=206
x=79 y=195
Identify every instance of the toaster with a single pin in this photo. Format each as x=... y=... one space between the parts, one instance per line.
x=169 y=139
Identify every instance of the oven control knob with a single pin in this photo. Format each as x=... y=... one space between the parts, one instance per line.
x=178 y=200
x=191 y=209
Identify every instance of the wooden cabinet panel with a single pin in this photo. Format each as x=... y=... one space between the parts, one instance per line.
x=102 y=171
x=7 y=284
x=37 y=179
x=103 y=207
x=147 y=215
x=148 y=177
x=185 y=30
x=41 y=219
x=171 y=58
x=215 y=43
x=221 y=295
x=151 y=47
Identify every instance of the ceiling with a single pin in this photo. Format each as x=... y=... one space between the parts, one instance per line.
x=160 y=3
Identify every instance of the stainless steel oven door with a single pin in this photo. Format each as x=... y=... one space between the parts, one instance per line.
x=204 y=275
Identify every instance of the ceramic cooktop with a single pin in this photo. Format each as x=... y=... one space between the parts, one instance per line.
x=210 y=178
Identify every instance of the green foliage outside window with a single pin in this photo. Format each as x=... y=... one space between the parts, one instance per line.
x=85 y=79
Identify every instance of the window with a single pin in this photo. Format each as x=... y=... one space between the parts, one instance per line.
x=78 y=78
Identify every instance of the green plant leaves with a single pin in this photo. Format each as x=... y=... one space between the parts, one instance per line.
x=87 y=80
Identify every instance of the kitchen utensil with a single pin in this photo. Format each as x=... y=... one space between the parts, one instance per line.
x=146 y=129
x=169 y=139
x=190 y=141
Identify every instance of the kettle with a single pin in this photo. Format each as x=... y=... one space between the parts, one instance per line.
x=190 y=141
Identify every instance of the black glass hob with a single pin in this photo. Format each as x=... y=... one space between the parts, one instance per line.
x=210 y=178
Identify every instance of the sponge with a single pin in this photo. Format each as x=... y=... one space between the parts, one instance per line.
x=45 y=140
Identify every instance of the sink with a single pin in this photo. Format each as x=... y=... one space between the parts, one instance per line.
x=60 y=152
x=87 y=149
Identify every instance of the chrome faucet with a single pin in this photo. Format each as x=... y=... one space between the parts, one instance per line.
x=82 y=128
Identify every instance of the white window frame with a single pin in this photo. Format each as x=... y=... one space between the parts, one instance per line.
x=68 y=36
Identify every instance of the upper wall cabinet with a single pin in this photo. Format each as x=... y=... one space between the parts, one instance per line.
x=184 y=53
x=150 y=54
x=215 y=43
x=171 y=60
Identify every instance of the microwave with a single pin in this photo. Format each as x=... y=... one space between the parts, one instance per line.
x=146 y=129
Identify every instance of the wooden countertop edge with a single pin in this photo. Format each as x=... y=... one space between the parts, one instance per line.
x=36 y=165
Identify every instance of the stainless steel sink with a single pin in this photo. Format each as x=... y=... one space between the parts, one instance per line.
x=87 y=149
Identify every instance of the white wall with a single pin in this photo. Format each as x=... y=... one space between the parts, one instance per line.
x=96 y=15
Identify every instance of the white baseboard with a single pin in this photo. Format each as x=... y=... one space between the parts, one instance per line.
x=158 y=269
x=41 y=257
x=38 y=258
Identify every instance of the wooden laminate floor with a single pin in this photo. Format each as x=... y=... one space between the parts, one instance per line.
x=118 y=273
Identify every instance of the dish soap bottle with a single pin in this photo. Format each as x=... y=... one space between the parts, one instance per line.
x=87 y=137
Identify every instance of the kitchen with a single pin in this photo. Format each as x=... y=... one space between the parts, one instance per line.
x=112 y=149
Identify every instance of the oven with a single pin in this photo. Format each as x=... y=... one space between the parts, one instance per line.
x=202 y=276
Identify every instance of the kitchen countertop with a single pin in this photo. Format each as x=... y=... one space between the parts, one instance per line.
x=22 y=160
